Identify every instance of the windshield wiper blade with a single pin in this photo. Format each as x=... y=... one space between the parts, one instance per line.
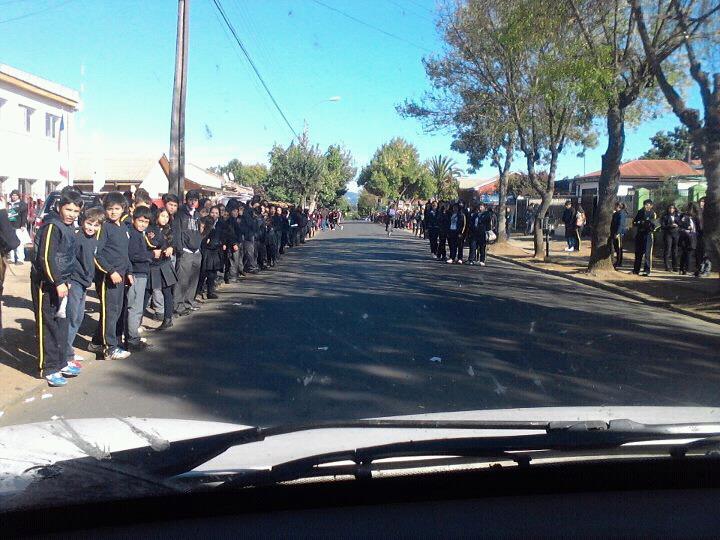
x=518 y=448
x=187 y=454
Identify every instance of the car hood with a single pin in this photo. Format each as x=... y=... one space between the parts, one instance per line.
x=26 y=448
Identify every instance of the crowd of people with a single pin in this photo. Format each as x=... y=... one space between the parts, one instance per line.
x=161 y=259
x=449 y=226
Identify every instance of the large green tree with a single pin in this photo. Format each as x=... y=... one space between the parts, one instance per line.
x=299 y=170
x=338 y=172
x=395 y=172
x=697 y=25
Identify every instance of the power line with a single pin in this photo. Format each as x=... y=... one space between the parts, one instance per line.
x=252 y=64
x=369 y=25
x=38 y=12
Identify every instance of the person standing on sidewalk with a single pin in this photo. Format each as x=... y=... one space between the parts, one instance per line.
x=50 y=282
x=187 y=231
x=670 y=225
x=646 y=223
x=618 y=228
x=141 y=251
x=432 y=226
x=481 y=221
x=8 y=242
x=17 y=214
x=702 y=261
x=456 y=230
x=162 y=277
x=569 y=218
x=444 y=228
x=86 y=242
x=688 y=237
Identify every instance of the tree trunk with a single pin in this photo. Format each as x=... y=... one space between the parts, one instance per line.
x=711 y=164
x=601 y=243
x=546 y=197
x=502 y=205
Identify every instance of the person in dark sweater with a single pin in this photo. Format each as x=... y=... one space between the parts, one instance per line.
x=162 y=275
x=646 y=223
x=50 y=282
x=670 y=224
x=212 y=252
x=617 y=232
x=114 y=271
x=17 y=214
x=140 y=252
x=8 y=243
x=186 y=229
x=86 y=241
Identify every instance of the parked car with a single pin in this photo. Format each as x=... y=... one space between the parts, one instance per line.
x=90 y=200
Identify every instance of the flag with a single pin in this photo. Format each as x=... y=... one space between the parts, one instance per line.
x=63 y=168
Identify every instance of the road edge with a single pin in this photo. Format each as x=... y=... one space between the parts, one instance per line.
x=647 y=300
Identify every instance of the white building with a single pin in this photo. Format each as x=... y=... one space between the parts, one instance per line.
x=37 y=127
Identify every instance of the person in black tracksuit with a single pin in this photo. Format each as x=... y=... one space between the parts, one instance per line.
x=234 y=240
x=50 y=278
x=481 y=221
x=618 y=228
x=432 y=226
x=285 y=240
x=688 y=238
x=211 y=248
x=670 y=225
x=278 y=224
x=646 y=223
x=114 y=272
x=457 y=226
x=569 y=218
x=260 y=235
x=186 y=230
x=250 y=233
x=443 y=229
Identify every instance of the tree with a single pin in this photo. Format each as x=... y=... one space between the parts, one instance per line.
x=618 y=78
x=675 y=144
x=445 y=173
x=367 y=203
x=338 y=172
x=696 y=25
x=395 y=172
x=297 y=172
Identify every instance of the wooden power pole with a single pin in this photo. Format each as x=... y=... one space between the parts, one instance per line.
x=177 y=122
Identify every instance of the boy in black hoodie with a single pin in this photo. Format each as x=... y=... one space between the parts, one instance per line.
x=82 y=276
x=140 y=253
x=50 y=282
x=114 y=270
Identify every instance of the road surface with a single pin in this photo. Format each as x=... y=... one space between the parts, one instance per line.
x=355 y=324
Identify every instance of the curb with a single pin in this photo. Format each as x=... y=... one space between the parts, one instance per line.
x=610 y=288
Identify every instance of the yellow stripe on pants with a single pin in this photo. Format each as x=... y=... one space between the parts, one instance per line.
x=40 y=332
x=103 y=315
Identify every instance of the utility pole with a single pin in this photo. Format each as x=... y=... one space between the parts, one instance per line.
x=177 y=122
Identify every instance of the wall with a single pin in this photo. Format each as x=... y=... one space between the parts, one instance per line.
x=32 y=155
x=156 y=183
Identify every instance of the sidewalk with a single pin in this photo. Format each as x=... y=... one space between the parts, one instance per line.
x=18 y=351
x=697 y=297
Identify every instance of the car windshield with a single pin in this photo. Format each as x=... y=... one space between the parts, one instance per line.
x=260 y=214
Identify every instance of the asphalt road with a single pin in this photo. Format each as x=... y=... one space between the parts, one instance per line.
x=347 y=325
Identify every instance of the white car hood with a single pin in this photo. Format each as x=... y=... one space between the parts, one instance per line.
x=24 y=448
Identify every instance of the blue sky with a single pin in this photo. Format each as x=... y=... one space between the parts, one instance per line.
x=120 y=54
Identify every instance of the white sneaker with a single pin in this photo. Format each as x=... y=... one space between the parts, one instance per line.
x=77 y=358
x=482 y=263
x=568 y=249
x=449 y=261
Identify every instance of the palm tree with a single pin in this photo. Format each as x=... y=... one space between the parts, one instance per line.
x=445 y=172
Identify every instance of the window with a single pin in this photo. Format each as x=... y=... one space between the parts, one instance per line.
x=51 y=125
x=25 y=186
x=27 y=116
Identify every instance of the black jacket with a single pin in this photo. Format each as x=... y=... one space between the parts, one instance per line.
x=480 y=223
x=444 y=222
x=84 y=268
x=646 y=222
x=8 y=239
x=667 y=222
x=186 y=228
x=140 y=252
x=54 y=251
x=569 y=218
x=431 y=219
x=617 y=223
x=461 y=227
x=112 y=249
x=18 y=212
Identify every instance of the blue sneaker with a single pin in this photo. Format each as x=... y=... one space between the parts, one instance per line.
x=56 y=379
x=70 y=371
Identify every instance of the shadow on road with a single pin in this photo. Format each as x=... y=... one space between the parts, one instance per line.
x=349 y=323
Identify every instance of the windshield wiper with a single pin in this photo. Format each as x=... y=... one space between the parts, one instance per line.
x=580 y=438
x=184 y=455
